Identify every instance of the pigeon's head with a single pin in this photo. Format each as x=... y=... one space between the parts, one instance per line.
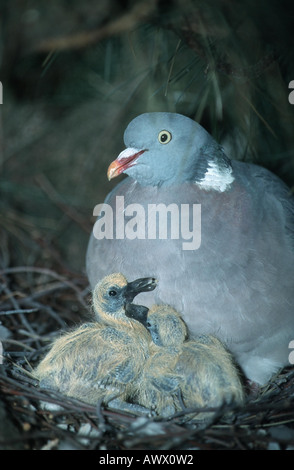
x=166 y=148
x=165 y=325
x=114 y=294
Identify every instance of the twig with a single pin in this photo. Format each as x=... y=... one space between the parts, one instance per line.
x=140 y=12
x=172 y=66
x=71 y=212
x=16 y=306
x=19 y=310
x=47 y=272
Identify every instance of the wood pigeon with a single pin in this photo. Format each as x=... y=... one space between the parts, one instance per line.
x=100 y=361
x=216 y=233
x=181 y=373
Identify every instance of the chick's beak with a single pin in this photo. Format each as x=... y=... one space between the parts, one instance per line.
x=137 y=312
x=125 y=160
x=144 y=284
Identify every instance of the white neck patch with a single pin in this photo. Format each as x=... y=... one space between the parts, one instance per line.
x=216 y=178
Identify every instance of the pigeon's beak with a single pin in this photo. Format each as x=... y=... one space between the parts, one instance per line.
x=134 y=288
x=125 y=160
x=137 y=312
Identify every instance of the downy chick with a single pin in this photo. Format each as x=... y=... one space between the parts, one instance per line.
x=183 y=373
x=99 y=361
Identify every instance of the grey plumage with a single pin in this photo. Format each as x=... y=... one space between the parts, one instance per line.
x=238 y=284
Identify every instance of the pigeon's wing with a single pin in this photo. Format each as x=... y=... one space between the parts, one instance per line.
x=277 y=196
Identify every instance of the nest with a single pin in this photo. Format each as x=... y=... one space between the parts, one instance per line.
x=36 y=304
x=71 y=83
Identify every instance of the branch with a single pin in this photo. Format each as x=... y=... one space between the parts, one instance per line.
x=124 y=23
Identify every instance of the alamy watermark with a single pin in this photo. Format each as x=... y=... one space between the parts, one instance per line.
x=154 y=221
x=291 y=355
x=291 y=94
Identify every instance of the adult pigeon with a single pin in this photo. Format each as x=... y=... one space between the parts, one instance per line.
x=216 y=233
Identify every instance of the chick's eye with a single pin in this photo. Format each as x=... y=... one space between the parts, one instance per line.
x=112 y=293
x=164 y=137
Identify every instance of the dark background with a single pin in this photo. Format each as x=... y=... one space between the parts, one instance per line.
x=74 y=74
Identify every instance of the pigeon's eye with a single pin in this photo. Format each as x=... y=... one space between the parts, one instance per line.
x=164 y=137
x=112 y=293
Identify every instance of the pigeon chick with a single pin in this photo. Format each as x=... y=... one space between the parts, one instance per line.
x=182 y=373
x=100 y=361
x=215 y=232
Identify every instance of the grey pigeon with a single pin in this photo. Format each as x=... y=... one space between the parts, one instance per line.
x=223 y=256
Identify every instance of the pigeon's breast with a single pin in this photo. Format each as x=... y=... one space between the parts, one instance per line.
x=213 y=255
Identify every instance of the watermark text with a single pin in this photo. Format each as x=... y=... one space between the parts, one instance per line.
x=291 y=95
x=153 y=221
x=291 y=355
